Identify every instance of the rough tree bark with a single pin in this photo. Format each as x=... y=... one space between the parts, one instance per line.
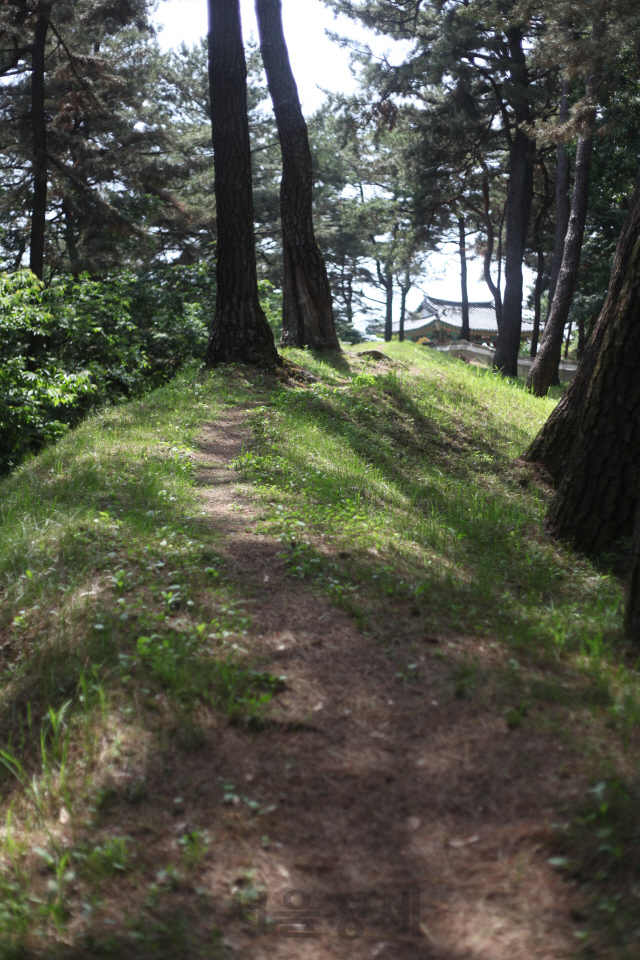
x=632 y=606
x=537 y=296
x=581 y=338
x=307 y=312
x=545 y=367
x=70 y=237
x=485 y=216
x=346 y=288
x=385 y=279
x=519 y=200
x=239 y=329
x=563 y=200
x=597 y=499
x=404 y=291
x=553 y=446
x=545 y=203
x=39 y=134
x=464 y=332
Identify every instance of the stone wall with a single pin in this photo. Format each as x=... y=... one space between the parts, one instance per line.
x=484 y=355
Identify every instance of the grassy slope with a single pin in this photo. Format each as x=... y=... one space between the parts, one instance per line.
x=408 y=473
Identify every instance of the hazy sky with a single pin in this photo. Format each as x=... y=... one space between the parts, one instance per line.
x=314 y=58
x=318 y=62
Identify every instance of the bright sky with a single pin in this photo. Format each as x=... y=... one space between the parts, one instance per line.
x=318 y=62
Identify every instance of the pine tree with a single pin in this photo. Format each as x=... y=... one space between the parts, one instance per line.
x=593 y=437
x=307 y=317
x=544 y=370
x=239 y=329
x=104 y=195
x=479 y=48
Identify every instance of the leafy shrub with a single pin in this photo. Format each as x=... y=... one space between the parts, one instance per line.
x=34 y=407
x=132 y=331
x=271 y=301
x=76 y=344
x=37 y=396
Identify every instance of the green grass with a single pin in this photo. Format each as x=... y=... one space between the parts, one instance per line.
x=395 y=493
x=103 y=548
x=421 y=469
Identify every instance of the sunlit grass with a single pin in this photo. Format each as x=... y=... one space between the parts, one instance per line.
x=418 y=463
x=104 y=556
x=390 y=488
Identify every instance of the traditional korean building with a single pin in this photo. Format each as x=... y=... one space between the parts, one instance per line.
x=441 y=320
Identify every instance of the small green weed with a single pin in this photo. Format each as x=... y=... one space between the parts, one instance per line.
x=514 y=718
x=178 y=661
x=600 y=848
x=194 y=846
x=99 y=863
x=465 y=677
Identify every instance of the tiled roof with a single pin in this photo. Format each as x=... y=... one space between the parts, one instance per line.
x=482 y=315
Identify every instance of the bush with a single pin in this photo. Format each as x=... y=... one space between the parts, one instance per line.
x=77 y=344
x=37 y=397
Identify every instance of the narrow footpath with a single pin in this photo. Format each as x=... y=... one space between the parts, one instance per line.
x=365 y=818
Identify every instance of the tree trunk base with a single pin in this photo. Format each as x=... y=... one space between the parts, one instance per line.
x=242 y=337
x=505 y=361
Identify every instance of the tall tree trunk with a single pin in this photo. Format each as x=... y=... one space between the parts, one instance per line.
x=346 y=292
x=39 y=134
x=597 y=499
x=464 y=332
x=307 y=313
x=632 y=606
x=581 y=338
x=563 y=200
x=346 y=287
x=545 y=367
x=553 y=446
x=70 y=237
x=519 y=200
x=22 y=246
x=404 y=289
x=388 y=319
x=500 y=236
x=488 y=252
x=239 y=330
x=537 y=297
x=385 y=279
x=545 y=203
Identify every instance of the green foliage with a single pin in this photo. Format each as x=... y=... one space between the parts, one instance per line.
x=390 y=494
x=614 y=171
x=271 y=301
x=15 y=916
x=74 y=345
x=104 y=861
x=38 y=397
x=362 y=209
x=180 y=663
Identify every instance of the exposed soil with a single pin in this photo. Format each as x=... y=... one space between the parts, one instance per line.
x=413 y=825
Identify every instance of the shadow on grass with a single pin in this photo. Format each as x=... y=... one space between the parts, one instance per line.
x=555 y=392
x=335 y=359
x=494 y=568
x=350 y=811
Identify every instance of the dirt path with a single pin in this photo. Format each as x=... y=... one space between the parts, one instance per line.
x=412 y=824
